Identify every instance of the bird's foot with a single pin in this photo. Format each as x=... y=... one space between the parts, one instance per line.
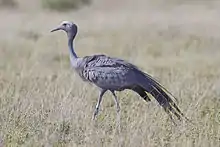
x=95 y=113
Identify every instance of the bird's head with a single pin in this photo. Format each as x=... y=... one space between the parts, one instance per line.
x=69 y=27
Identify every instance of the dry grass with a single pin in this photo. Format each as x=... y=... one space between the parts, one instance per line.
x=44 y=103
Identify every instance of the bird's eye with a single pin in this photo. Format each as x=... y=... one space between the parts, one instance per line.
x=64 y=24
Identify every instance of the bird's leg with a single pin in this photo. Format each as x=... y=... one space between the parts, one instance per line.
x=98 y=103
x=116 y=101
x=118 y=112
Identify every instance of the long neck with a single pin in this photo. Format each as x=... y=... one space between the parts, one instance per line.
x=71 y=49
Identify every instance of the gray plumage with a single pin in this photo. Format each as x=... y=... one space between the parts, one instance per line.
x=112 y=74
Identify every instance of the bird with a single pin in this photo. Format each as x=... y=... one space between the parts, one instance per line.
x=114 y=74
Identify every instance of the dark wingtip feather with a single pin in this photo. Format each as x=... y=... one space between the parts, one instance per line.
x=168 y=104
x=163 y=97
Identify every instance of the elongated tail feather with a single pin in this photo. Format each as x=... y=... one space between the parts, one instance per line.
x=160 y=94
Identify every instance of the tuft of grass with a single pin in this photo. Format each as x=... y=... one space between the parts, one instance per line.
x=64 y=5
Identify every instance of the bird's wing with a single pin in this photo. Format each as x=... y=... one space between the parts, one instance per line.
x=103 y=64
x=107 y=63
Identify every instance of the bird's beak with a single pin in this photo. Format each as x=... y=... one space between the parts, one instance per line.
x=56 y=29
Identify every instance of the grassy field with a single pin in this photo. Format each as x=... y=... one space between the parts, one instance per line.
x=43 y=102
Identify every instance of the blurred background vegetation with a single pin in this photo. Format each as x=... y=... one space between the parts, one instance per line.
x=64 y=5
x=58 y=5
x=8 y=3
